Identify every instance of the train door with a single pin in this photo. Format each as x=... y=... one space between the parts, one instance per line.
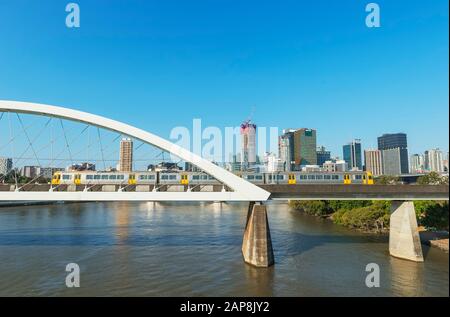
x=132 y=179
x=77 y=179
x=56 y=179
x=291 y=179
x=347 y=179
x=184 y=179
x=367 y=178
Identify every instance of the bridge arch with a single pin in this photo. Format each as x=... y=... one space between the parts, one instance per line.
x=242 y=190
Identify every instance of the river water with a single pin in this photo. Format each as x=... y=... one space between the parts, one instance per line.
x=154 y=249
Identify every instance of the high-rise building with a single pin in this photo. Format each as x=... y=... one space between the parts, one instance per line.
x=394 y=153
x=446 y=164
x=373 y=162
x=322 y=155
x=248 y=145
x=435 y=160
x=286 y=149
x=352 y=155
x=126 y=155
x=416 y=163
x=6 y=165
x=305 y=144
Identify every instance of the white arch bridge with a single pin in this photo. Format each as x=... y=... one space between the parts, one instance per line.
x=257 y=246
x=241 y=190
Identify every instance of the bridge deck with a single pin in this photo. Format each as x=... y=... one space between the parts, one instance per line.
x=358 y=192
x=278 y=192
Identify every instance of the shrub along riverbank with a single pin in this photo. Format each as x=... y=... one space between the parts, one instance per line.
x=373 y=215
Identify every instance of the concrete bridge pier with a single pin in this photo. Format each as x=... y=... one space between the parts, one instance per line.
x=257 y=243
x=404 y=239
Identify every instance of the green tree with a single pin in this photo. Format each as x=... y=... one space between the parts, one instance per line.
x=311 y=207
x=432 y=178
x=433 y=214
x=387 y=180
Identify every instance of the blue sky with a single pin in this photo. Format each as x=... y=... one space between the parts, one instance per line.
x=159 y=64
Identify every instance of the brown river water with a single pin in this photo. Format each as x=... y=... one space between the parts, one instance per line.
x=154 y=249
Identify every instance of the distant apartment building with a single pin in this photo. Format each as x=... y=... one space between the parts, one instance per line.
x=435 y=160
x=352 y=155
x=6 y=165
x=322 y=155
x=126 y=155
x=394 y=153
x=248 y=145
x=30 y=171
x=373 y=162
x=305 y=145
x=335 y=166
x=417 y=163
x=85 y=166
x=273 y=163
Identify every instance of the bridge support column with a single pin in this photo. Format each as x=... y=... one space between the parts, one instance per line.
x=257 y=244
x=404 y=239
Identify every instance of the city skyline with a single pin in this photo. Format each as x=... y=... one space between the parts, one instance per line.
x=217 y=63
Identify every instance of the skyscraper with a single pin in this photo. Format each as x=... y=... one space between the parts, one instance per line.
x=6 y=165
x=305 y=145
x=322 y=155
x=126 y=155
x=373 y=162
x=352 y=155
x=394 y=153
x=435 y=160
x=417 y=163
x=286 y=149
x=248 y=144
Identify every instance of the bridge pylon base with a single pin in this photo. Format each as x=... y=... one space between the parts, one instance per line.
x=257 y=243
x=404 y=239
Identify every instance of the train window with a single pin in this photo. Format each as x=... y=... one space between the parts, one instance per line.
x=210 y=177
x=151 y=176
x=204 y=177
x=281 y=177
x=67 y=177
x=90 y=177
x=358 y=176
x=195 y=177
x=165 y=177
x=250 y=177
x=121 y=177
x=142 y=177
x=104 y=176
x=112 y=176
x=327 y=176
x=270 y=177
x=258 y=177
x=311 y=177
x=172 y=177
x=319 y=177
x=96 y=176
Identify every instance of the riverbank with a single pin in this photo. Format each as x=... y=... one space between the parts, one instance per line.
x=373 y=217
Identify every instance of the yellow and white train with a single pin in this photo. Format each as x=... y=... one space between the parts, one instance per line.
x=199 y=178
